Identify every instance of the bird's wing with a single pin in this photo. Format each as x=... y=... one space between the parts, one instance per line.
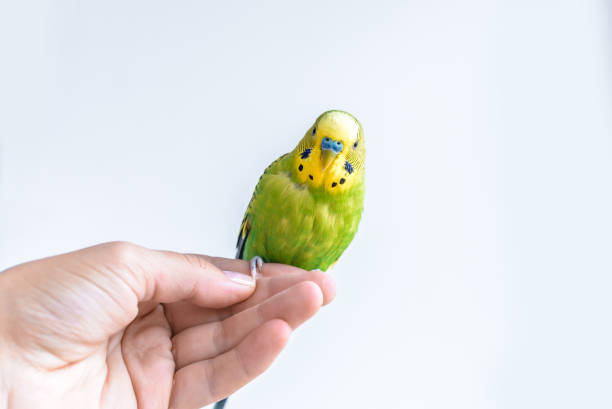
x=245 y=226
x=243 y=234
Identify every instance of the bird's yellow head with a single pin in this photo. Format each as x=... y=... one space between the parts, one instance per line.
x=331 y=155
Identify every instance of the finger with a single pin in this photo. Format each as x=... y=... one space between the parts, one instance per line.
x=192 y=277
x=146 y=350
x=165 y=277
x=267 y=287
x=294 y=306
x=204 y=382
x=183 y=315
x=244 y=266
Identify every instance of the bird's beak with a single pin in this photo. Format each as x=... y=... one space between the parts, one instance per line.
x=327 y=156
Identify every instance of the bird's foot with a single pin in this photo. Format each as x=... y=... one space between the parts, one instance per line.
x=256 y=264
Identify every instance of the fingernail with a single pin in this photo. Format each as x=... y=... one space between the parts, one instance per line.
x=240 y=278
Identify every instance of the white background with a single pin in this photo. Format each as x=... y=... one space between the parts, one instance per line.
x=481 y=274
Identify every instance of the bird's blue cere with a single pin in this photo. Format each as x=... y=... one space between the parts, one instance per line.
x=327 y=144
x=337 y=146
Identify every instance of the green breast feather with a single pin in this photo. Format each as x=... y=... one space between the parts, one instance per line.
x=287 y=222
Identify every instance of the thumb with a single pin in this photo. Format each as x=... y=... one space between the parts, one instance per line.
x=165 y=276
x=82 y=297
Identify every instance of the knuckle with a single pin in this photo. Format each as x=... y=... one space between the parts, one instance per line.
x=317 y=276
x=122 y=251
x=196 y=260
x=218 y=338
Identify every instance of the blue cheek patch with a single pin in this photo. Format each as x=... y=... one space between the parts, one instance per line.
x=306 y=153
x=348 y=167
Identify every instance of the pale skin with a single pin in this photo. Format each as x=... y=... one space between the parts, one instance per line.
x=121 y=326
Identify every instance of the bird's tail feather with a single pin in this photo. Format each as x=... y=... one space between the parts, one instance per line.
x=220 y=404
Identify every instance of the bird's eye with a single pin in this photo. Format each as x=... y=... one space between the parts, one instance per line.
x=355 y=144
x=314 y=130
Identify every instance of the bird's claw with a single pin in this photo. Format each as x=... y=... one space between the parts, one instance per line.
x=256 y=264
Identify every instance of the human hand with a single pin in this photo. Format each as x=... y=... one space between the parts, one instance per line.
x=119 y=326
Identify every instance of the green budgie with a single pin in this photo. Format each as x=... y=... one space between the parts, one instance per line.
x=307 y=204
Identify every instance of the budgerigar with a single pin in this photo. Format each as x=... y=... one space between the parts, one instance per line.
x=308 y=203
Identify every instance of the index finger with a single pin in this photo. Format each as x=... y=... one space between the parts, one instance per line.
x=243 y=266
